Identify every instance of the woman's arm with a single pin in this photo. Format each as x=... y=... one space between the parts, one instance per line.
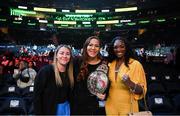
x=137 y=81
x=135 y=88
x=39 y=85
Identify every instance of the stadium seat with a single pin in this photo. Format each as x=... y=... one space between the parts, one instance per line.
x=13 y=106
x=28 y=91
x=9 y=79
x=160 y=105
x=29 y=105
x=176 y=103
x=27 y=94
x=155 y=88
x=10 y=90
x=153 y=78
x=172 y=88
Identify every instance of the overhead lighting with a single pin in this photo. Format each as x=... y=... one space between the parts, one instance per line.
x=20 y=12
x=131 y=24
x=108 y=22
x=119 y=25
x=43 y=21
x=50 y=25
x=144 y=22
x=16 y=22
x=18 y=18
x=64 y=25
x=161 y=20
x=44 y=9
x=42 y=29
x=84 y=15
x=125 y=21
x=104 y=10
x=3 y=19
x=125 y=9
x=86 y=22
x=101 y=25
x=22 y=7
x=65 y=22
x=87 y=25
x=65 y=10
x=85 y=11
x=31 y=24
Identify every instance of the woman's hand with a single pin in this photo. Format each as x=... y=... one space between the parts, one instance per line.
x=126 y=80
x=135 y=88
x=101 y=96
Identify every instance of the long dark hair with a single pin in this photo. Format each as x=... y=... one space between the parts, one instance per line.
x=83 y=69
x=128 y=53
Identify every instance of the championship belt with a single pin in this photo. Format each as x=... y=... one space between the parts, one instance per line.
x=97 y=81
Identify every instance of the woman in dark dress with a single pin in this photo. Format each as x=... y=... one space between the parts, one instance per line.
x=54 y=83
x=86 y=103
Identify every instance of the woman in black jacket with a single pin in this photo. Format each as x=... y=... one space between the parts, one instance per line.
x=86 y=102
x=54 y=83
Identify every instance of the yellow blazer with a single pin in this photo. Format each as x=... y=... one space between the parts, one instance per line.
x=119 y=98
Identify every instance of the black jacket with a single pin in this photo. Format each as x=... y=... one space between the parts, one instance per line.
x=46 y=92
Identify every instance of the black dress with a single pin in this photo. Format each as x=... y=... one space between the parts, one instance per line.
x=47 y=94
x=84 y=103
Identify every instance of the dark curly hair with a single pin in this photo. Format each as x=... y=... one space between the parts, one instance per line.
x=128 y=54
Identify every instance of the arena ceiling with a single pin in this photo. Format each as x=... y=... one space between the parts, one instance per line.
x=84 y=4
x=149 y=12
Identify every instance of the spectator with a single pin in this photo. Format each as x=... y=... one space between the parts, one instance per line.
x=54 y=83
x=127 y=79
x=86 y=103
x=25 y=76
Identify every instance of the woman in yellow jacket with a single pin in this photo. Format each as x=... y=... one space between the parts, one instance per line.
x=127 y=79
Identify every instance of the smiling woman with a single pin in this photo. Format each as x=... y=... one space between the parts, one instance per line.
x=127 y=79
x=87 y=79
x=54 y=83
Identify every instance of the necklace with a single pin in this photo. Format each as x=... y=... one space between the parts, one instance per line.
x=117 y=66
x=116 y=71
